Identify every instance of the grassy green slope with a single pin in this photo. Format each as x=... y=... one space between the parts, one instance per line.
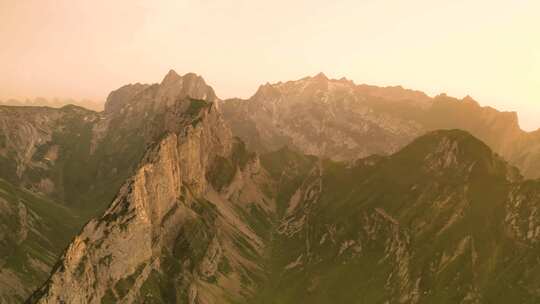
x=426 y=225
x=34 y=231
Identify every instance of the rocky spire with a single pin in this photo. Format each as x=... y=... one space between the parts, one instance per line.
x=171 y=77
x=120 y=97
x=320 y=76
x=174 y=87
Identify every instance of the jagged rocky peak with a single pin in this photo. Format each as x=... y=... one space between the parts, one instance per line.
x=470 y=100
x=320 y=86
x=305 y=89
x=171 y=77
x=267 y=92
x=318 y=83
x=466 y=101
x=457 y=142
x=346 y=121
x=174 y=87
x=120 y=97
x=505 y=122
x=456 y=152
x=322 y=82
x=321 y=77
x=172 y=233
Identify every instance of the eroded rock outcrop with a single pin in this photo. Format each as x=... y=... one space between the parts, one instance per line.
x=176 y=231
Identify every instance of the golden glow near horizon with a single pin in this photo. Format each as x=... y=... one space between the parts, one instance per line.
x=84 y=49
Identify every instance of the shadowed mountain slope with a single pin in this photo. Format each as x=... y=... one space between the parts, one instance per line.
x=439 y=221
x=33 y=233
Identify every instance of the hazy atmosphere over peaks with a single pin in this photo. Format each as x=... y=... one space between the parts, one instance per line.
x=84 y=49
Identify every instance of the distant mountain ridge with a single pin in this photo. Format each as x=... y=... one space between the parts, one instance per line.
x=344 y=121
x=53 y=103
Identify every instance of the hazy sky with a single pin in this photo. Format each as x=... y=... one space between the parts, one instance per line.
x=489 y=49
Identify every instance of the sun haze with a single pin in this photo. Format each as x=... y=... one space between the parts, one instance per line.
x=84 y=49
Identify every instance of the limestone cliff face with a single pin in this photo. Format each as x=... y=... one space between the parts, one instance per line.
x=344 y=121
x=138 y=115
x=81 y=158
x=175 y=232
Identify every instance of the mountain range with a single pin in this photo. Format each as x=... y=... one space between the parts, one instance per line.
x=53 y=103
x=311 y=191
x=340 y=120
